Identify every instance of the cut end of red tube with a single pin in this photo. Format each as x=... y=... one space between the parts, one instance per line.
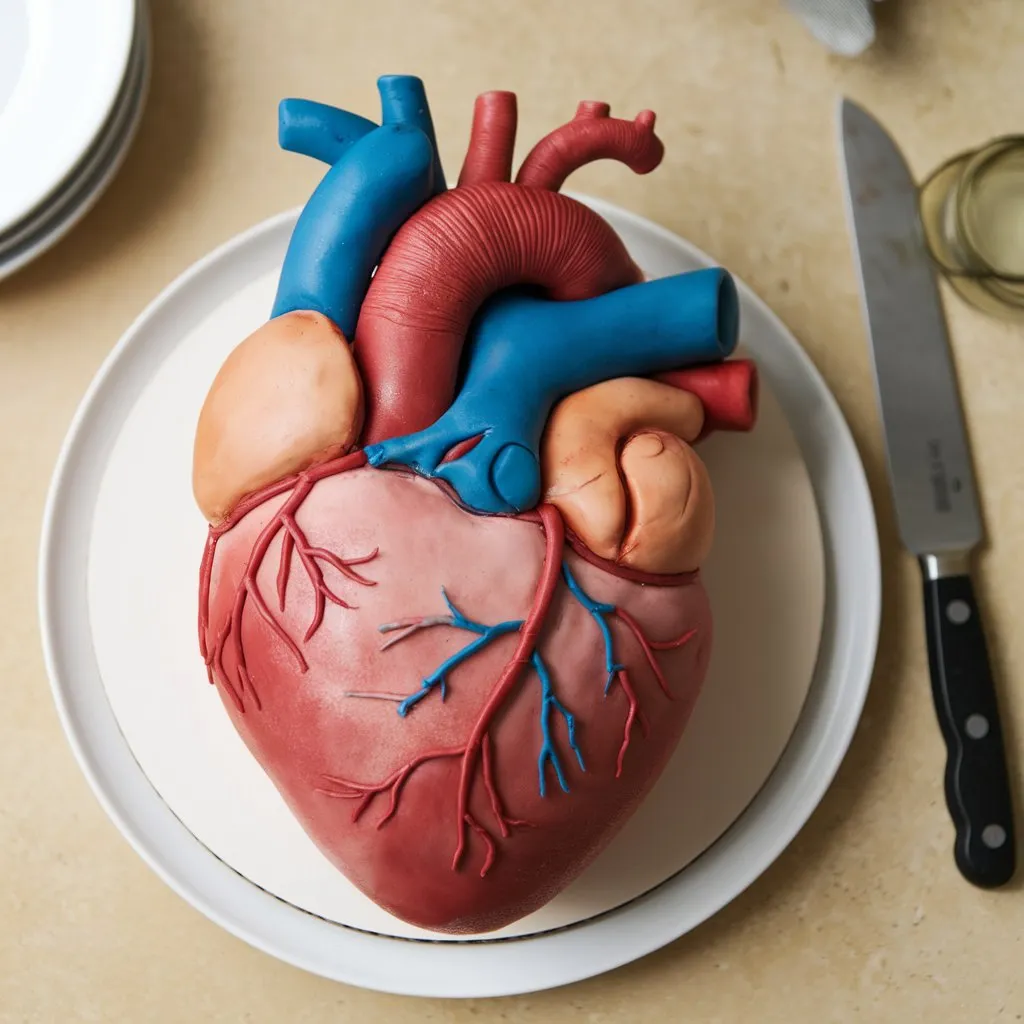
x=729 y=392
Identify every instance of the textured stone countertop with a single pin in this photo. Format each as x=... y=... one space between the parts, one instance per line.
x=864 y=917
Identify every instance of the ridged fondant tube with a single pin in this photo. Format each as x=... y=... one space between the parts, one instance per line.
x=463 y=246
x=492 y=140
x=527 y=353
x=592 y=135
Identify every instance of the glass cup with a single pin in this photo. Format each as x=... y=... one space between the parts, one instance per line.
x=972 y=210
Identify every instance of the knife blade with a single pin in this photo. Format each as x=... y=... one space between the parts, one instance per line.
x=932 y=482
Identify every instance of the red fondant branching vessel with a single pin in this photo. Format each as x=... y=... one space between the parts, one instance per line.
x=475 y=755
x=293 y=540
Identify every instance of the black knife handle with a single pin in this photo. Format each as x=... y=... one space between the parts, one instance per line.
x=977 y=781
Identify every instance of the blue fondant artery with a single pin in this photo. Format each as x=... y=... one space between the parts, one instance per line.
x=439 y=677
x=599 y=612
x=526 y=353
x=550 y=705
x=549 y=702
x=379 y=177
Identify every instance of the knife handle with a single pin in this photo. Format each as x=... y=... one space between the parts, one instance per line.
x=977 y=781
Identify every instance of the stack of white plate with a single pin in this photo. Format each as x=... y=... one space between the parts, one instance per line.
x=73 y=82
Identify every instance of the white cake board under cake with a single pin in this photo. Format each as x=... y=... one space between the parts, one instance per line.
x=766 y=581
x=118 y=592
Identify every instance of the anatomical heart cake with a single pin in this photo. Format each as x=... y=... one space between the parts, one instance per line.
x=451 y=595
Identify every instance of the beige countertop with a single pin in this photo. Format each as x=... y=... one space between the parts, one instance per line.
x=864 y=917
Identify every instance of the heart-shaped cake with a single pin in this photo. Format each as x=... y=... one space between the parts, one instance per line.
x=451 y=595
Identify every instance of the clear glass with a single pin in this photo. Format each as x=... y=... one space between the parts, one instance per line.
x=972 y=209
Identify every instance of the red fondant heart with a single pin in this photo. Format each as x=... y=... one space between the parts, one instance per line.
x=438 y=816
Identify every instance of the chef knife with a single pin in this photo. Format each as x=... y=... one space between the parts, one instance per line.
x=932 y=483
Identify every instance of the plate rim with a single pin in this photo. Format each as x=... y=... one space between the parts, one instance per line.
x=73 y=32
x=77 y=194
x=514 y=965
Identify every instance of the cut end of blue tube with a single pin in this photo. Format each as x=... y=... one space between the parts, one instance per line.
x=728 y=321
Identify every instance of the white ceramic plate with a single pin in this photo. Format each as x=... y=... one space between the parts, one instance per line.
x=117 y=735
x=64 y=65
x=70 y=202
x=765 y=578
